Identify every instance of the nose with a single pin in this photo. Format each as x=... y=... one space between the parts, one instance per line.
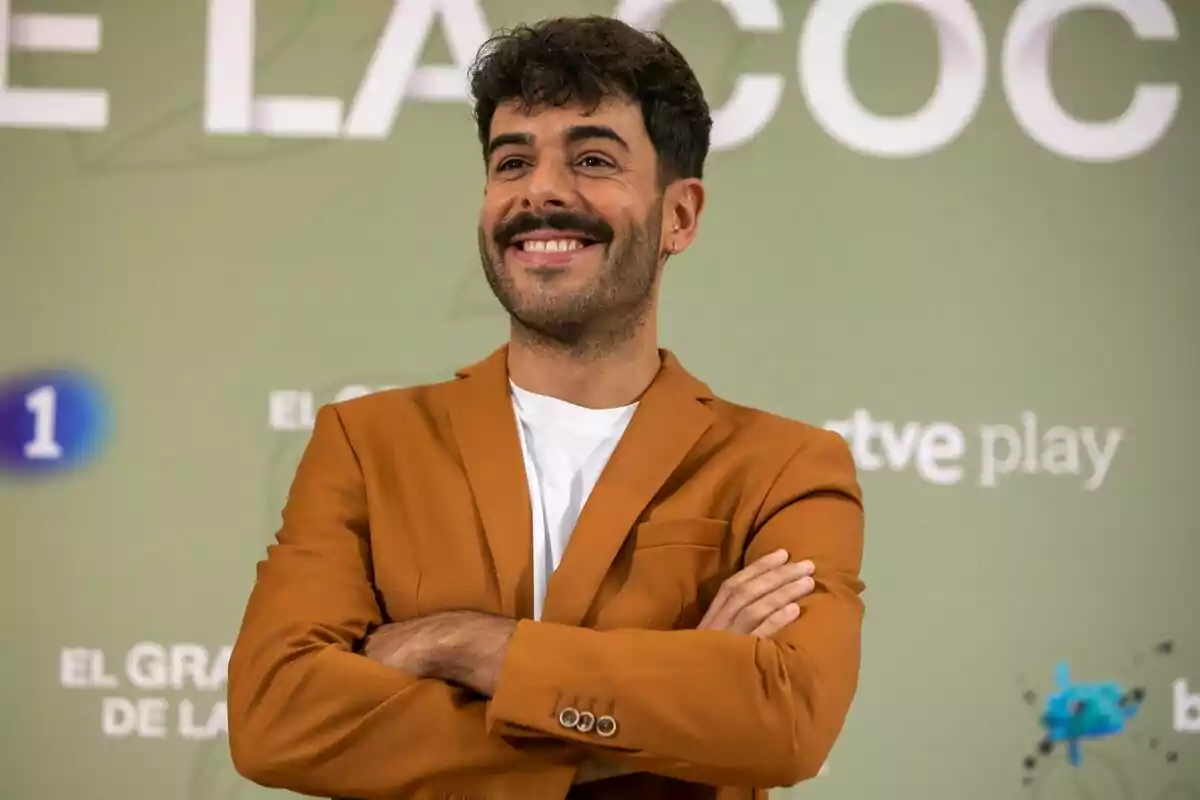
x=549 y=187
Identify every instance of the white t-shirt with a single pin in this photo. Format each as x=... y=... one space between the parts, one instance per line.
x=565 y=447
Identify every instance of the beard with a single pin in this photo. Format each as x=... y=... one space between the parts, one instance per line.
x=597 y=316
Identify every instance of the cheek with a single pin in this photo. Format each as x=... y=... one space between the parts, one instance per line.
x=612 y=200
x=487 y=219
x=487 y=233
x=634 y=224
x=492 y=210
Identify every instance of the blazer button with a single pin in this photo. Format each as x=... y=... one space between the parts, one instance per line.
x=587 y=721
x=568 y=717
x=606 y=726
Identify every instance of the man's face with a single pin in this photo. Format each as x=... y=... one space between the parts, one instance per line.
x=572 y=216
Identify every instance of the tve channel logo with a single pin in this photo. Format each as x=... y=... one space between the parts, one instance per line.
x=51 y=421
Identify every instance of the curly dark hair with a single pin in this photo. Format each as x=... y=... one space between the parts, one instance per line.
x=586 y=60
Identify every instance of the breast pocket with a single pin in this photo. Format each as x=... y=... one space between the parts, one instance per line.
x=671 y=563
x=681 y=532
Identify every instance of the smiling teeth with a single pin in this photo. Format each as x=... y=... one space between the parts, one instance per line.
x=550 y=245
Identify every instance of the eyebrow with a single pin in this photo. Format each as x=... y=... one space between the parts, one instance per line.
x=579 y=133
x=505 y=139
x=576 y=133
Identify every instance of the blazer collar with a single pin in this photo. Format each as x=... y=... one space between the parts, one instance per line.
x=671 y=417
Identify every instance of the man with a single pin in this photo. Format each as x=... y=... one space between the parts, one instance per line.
x=572 y=571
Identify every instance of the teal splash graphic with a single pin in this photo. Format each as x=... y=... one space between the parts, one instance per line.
x=1081 y=711
x=1076 y=712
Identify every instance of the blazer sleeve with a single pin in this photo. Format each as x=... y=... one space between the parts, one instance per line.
x=306 y=712
x=713 y=706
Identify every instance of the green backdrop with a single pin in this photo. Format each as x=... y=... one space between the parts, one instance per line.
x=946 y=229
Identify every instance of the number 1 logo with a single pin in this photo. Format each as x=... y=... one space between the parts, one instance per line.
x=51 y=421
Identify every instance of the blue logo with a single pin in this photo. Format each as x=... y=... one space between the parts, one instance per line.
x=50 y=422
x=1075 y=713
x=1081 y=711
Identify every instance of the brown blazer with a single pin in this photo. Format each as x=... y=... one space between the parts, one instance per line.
x=413 y=501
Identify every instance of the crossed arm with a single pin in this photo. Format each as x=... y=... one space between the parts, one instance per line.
x=309 y=714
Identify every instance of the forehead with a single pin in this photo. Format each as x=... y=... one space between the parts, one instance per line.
x=551 y=125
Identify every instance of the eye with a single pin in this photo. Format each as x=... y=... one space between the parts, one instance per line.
x=593 y=161
x=510 y=163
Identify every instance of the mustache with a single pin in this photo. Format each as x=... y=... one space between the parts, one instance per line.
x=596 y=229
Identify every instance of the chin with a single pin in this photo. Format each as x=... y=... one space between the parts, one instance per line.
x=543 y=310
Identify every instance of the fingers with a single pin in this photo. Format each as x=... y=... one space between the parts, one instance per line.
x=776 y=621
x=761 y=566
x=746 y=600
x=781 y=608
x=788 y=590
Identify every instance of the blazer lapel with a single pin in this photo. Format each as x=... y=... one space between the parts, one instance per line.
x=485 y=428
x=670 y=418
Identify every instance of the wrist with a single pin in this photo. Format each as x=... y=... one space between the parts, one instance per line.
x=442 y=656
x=472 y=652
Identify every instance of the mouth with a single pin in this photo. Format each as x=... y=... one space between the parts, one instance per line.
x=551 y=248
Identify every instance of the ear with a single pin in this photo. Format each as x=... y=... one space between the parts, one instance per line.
x=683 y=202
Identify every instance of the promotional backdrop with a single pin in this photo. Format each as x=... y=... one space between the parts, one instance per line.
x=962 y=233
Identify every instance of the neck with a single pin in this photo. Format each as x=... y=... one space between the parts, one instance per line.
x=588 y=377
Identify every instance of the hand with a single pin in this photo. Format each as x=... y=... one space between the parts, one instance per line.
x=761 y=598
x=407 y=646
x=463 y=647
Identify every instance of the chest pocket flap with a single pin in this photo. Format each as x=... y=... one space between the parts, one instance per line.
x=684 y=531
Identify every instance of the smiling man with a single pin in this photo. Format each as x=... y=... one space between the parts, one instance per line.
x=573 y=570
